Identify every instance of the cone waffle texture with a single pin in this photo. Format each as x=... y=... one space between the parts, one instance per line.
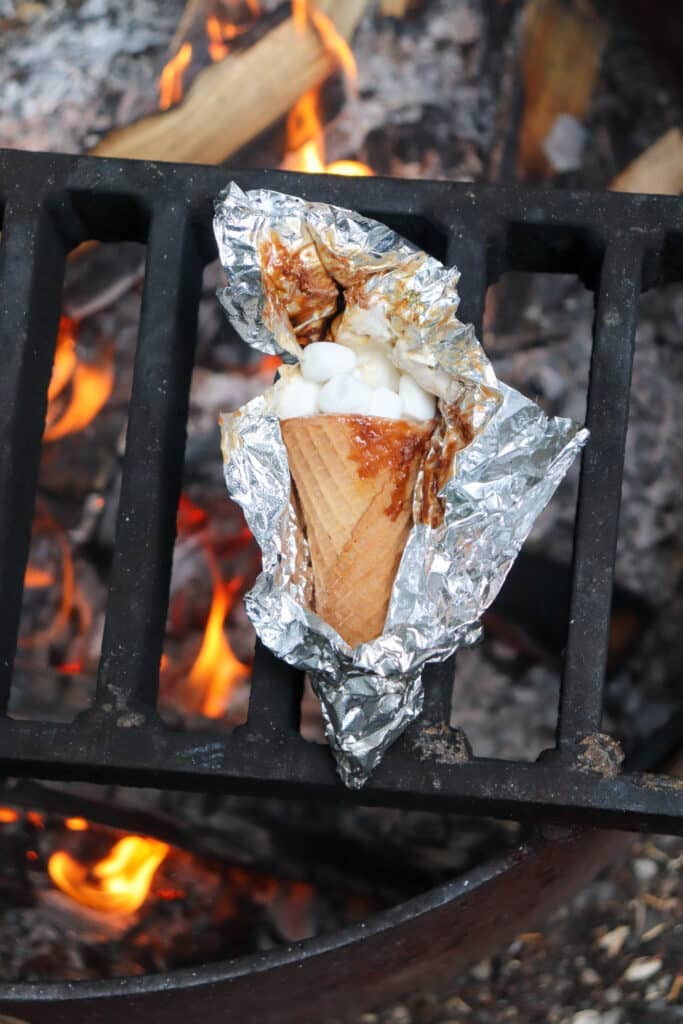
x=355 y=477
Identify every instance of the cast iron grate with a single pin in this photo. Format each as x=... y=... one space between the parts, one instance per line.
x=616 y=244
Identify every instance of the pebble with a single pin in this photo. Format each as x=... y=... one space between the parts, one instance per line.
x=397 y=1015
x=613 y=940
x=584 y=1017
x=482 y=970
x=594 y=1017
x=642 y=968
x=644 y=869
x=613 y=994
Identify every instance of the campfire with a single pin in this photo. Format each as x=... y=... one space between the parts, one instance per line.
x=125 y=885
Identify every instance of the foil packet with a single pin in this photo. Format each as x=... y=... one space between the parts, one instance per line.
x=495 y=462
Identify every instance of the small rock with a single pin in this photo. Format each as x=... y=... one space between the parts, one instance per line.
x=482 y=970
x=612 y=941
x=644 y=869
x=397 y=1015
x=585 y=1017
x=642 y=968
x=613 y=994
x=589 y=977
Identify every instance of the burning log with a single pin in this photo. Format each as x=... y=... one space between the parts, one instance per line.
x=398 y=8
x=234 y=100
x=659 y=169
x=562 y=44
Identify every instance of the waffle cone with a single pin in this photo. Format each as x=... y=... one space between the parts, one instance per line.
x=354 y=478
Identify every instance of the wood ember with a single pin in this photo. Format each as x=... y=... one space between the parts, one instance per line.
x=399 y=8
x=562 y=44
x=659 y=169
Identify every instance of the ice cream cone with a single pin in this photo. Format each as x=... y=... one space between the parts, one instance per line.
x=355 y=477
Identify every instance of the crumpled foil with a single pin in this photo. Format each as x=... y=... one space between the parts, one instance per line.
x=285 y=261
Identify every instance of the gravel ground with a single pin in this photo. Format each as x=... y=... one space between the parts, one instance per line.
x=613 y=955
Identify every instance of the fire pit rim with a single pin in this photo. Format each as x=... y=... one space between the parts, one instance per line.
x=408 y=911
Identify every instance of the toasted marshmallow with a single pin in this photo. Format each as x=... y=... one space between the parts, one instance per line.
x=345 y=395
x=296 y=397
x=361 y=326
x=377 y=371
x=322 y=360
x=386 y=403
x=417 y=403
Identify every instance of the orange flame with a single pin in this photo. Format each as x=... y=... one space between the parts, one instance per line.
x=65 y=358
x=220 y=33
x=189 y=517
x=76 y=824
x=91 y=386
x=300 y=14
x=305 y=137
x=42 y=637
x=269 y=365
x=217 y=669
x=306 y=142
x=8 y=815
x=70 y=668
x=332 y=40
x=35 y=579
x=349 y=168
x=336 y=45
x=171 y=78
x=217 y=47
x=119 y=882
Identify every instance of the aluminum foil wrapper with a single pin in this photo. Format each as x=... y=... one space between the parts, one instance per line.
x=499 y=457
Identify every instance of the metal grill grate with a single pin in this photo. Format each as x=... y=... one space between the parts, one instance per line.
x=616 y=244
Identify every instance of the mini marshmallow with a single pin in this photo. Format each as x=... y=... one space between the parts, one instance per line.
x=417 y=403
x=322 y=360
x=296 y=397
x=386 y=403
x=377 y=371
x=346 y=395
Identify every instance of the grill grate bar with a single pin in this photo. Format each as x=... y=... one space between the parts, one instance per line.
x=152 y=473
x=291 y=767
x=467 y=252
x=275 y=694
x=32 y=267
x=597 y=519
